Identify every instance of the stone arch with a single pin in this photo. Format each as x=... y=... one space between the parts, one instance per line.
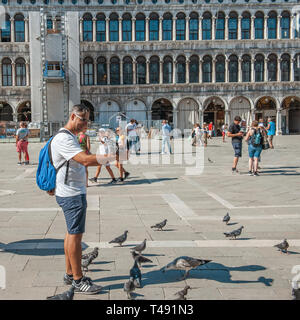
x=265 y=107
x=290 y=115
x=136 y=109
x=24 y=111
x=162 y=109
x=106 y=114
x=240 y=106
x=90 y=106
x=188 y=113
x=6 y=111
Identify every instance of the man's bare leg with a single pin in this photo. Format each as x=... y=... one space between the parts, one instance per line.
x=74 y=250
x=68 y=263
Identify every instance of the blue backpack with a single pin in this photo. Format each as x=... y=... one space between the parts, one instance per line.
x=46 y=172
x=256 y=139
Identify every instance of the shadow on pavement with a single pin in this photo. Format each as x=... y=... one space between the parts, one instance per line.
x=136 y=182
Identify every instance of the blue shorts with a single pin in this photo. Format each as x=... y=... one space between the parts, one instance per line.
x=74 y=209
x=237 y=147
x=254 y=152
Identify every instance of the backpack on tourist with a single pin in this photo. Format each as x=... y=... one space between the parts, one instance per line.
x=46 y=172
x=256 y=138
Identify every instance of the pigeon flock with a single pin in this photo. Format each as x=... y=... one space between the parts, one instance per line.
x=182 y=263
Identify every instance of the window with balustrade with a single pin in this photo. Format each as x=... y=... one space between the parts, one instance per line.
x=6 y=72
x=88 y=71
x=19 y=28
x=272 y=25
x=127 y=70
x=113 y=27
x=127 y=27
x=168 y=70
x=167 y=26
x=114 y=71
x=285 y=25
x=220 y=69
x=180 y=69
x=194 y=69
x=153 y=27
x=100 y=28
x=180 y=27
x=206 y=26
x=140 y=70
x=246 y=68
x=101 y=71
x=233 y=68
x=20 y=72
x=154 y=70
x=232 y=26
x=87 y=27
x=194 y=26
x=220 y=26
x=246 y=25
x=272 y=67
x=140 y=27
x=207 y=69
x=285 y=67
x=259 y=68
x=259 y=25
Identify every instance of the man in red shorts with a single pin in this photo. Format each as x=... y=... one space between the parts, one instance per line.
x=22 y=142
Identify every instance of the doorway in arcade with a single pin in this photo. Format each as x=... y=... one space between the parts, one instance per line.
x=215 y=112
x=162 y=109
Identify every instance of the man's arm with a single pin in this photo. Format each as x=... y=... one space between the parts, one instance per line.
x=89 y=160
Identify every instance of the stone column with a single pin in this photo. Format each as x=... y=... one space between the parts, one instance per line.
x=108 y=72
x=80 y=28
x=147 y=72
x=252 y=28
x=27 y=74
x=134 y=71
x=81 y=72
x=252 y=70
x=200 y=28
x=147 y=29
x=278 y=122
x=133 y=29
x=226 y=70
x=278 y=27
x=160 y=72
x=226 y=28
x=292 y=78
x=240 y=27
x=213 y=71
x=278 y=70
x=174 y=72
x=227 y=116
x=187 y=71
x=120 y=29
x=26 y=21
x=160 y=29
x=213 y=28
x=266 y=27
x=94 y=29
x=121 y=71
x=174 y=28
x=175 y=113
x=293 y=24
x=200 y=70
x=187 y=28
x=266 y=70
x=107 y=29
x=13 y=73
x=95 y=72
x=240 y=74
x=12 y=28
x=0 y=73
x=200 y=117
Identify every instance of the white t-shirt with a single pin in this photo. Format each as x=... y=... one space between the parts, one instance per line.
x=103 y=147
x=198 y=131
x=64 y=147
x=131 y=133
x=22 y=133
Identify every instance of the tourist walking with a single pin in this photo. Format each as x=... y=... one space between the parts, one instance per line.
x=22 y=143
x=121 y=153
x=132 y=136
x=254 y=137
x=85 y=144
x=271 y=128
x=205 y=134
x=165 y=131
x=224 y=131
x=235 y=133
x=70 y=193
x=210 y=130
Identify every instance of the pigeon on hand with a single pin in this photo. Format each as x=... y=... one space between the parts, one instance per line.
x=135 y=275
x=67 y=295
x=85 y=263
x=234 y=233
x=139 y=258
x=129 y=287
x=140 y=247
x=283 y=246
x=93 y=254
x=160 y=225
x=120 y=239
x=210 y=160
x=182 y=293
x=184 y=263
x=226 y=218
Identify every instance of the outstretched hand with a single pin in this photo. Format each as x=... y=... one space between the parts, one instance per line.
x=51 y=192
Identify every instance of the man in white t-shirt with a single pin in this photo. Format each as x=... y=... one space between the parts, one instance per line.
x=70 y=193
x=132 y=135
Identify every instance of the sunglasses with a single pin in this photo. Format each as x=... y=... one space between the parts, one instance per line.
x=82 y=119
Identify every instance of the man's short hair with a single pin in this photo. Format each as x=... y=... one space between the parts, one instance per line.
x=80 y=108
x=237 y=118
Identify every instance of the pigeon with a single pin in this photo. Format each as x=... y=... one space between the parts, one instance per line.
x=93 y=254
x=67 y=295
x=283 y=246
x=209 y=160
x=234 y=233
x=184 y=263
x=226 y=218
x=140 y=247
x=129 y=287
x=85 y=263
x=296 y=294
x=182 y=293
x=160 y=225
x=120 y=239
x=135 y=275
x=139 y=258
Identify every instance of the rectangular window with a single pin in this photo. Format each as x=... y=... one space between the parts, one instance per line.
x=206 y=29
x=220 y=29
x=20 y=75
x=100 y=31
x=246 y=67
x=140 y=30
x=7 y=75
x=246 y=28
x=87 y=30
x=259 y=28
x=88 y=74
x=127 y=73
x=180 y=29
x=232 y=27
x=285 y=28
x=272 y=28
x=101 y=76
x=194 y=29
x=126 y=26
x=154 y=72
x=153 y=27
x=167 y=29
x=5 y=33
x=113 y=30
x=20 y=31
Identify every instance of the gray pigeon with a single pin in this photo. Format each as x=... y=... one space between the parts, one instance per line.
x=234 y=233
x=160 y=225
x=296 y=294
x=93 y=254
x=129 y=287
x=140 y=247
x=85 y=263
x=283 y=246
x=184 y=263
x=210 y=160
x=67 y=295
x=120 y=239
x=182 y=293
x=136 y=275
x=226 y=218
x=139 y=258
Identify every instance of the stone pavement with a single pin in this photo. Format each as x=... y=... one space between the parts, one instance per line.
x=32 y=226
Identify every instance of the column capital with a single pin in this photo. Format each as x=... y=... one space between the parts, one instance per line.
x=187 y=60
x=266 y=17
x=120 y=19
x=267 y=59
x=80 y=19
x=279 y=17
x=147 y=61
x=240 y=59
x=226 y=17
x=200 y=18
x=240 y=17
x=252 y=60
x=26 y=19
x=13 y=63
x=12 y=19
x=214 y=17
x=94 y=19
x=160 y=18
x=107 y=19
x=147 y=19
x=174 y=18
x=214 y=60
x=187 y=18
x=253 y=17
x=133 y=19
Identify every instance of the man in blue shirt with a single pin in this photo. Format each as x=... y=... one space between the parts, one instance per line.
x=271 y=128
x=165 y=131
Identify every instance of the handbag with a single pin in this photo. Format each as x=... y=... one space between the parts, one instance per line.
x=265 y=144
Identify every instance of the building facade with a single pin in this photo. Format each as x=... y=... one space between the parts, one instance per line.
x=183 y=60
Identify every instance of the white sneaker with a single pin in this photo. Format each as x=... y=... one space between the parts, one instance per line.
x=162 y=153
